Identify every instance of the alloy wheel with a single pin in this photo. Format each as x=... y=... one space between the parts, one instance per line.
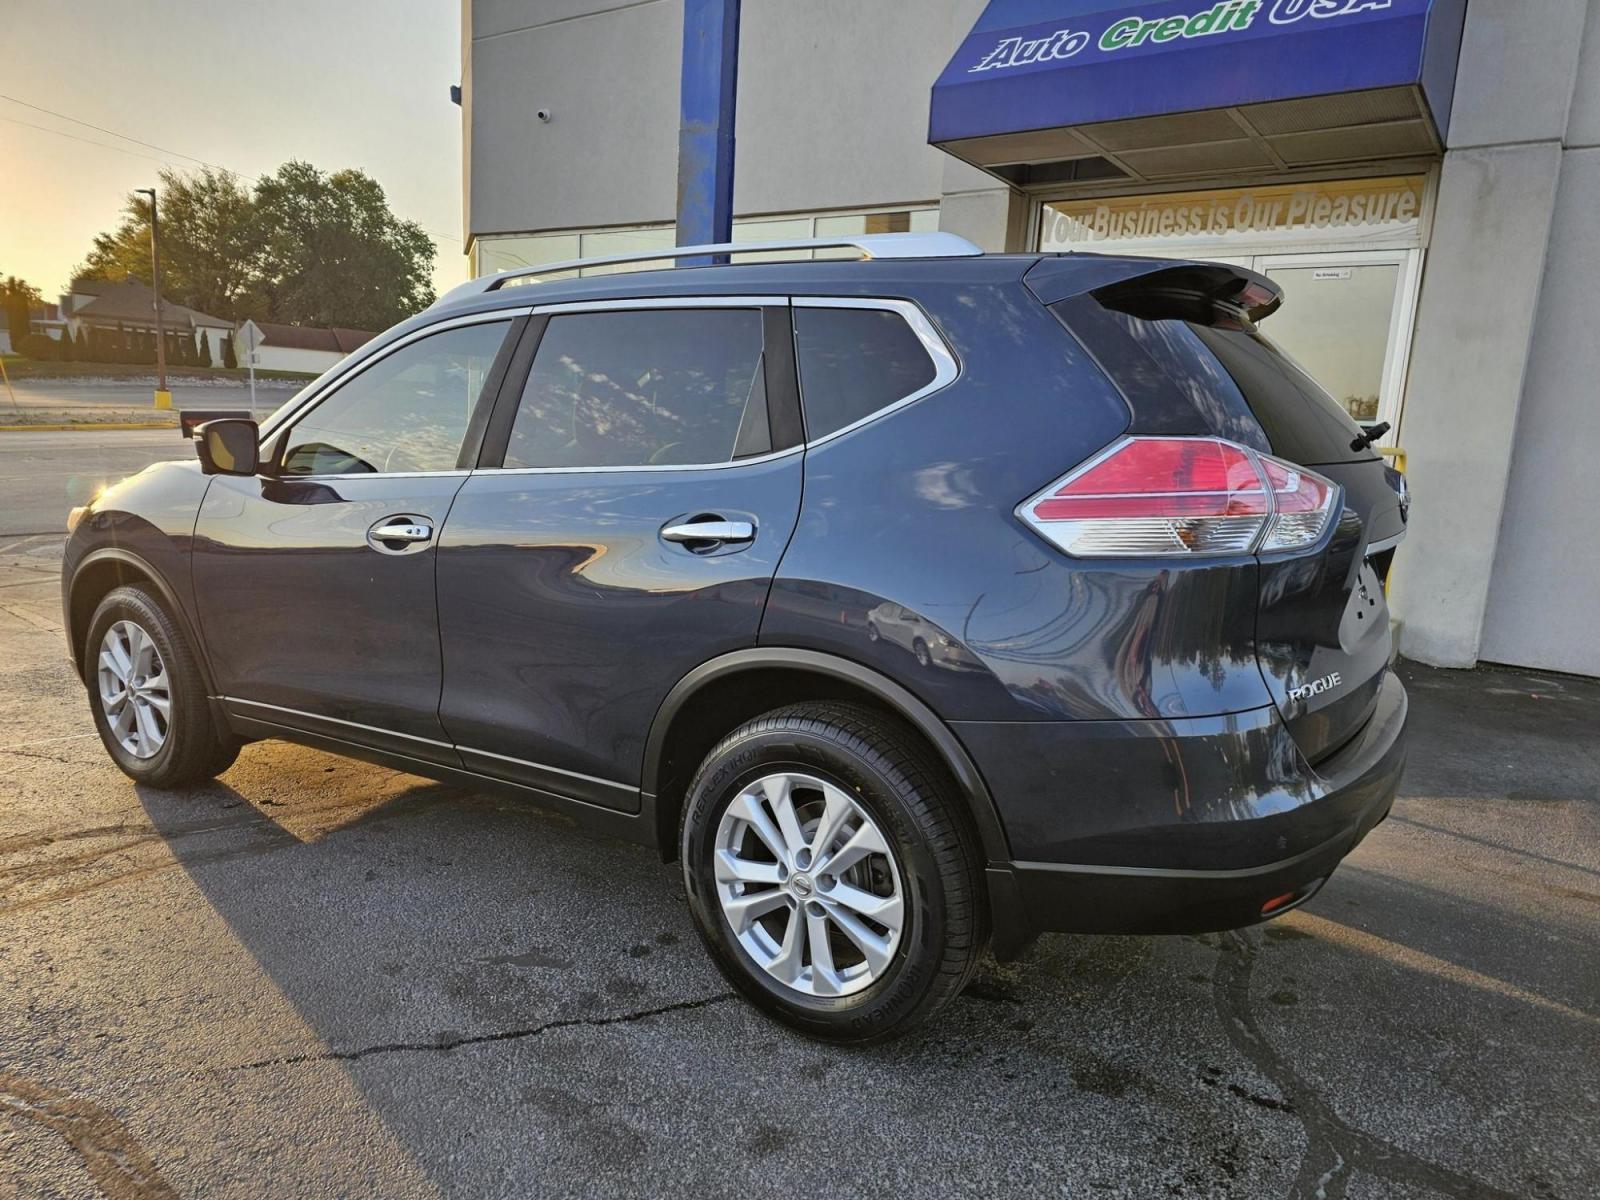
x=809 y=884
x=135 y=695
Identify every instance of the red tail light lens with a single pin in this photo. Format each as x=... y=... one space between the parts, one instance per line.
x=1161 y=496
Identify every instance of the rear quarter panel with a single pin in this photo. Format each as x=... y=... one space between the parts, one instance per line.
x=917 y=508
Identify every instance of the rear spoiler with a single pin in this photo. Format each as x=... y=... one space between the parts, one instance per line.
x=1139 y=285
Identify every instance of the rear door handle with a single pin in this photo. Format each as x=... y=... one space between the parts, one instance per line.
x=690 y=532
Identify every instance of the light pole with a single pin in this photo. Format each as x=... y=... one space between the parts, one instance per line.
x=163 y=397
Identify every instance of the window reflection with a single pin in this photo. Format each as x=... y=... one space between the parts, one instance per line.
x=649 y=388
x=406 y=412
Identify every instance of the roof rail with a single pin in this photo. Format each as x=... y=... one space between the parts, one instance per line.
x=871 y=245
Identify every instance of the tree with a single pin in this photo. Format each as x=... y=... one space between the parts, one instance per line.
x=207 y=251
x=205 y=349
x=331 y=252
x=229 y=359
x=69 y=349
x=18 y=299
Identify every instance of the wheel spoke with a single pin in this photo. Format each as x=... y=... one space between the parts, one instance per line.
x=787 y=964
x=749 y=810
x=866 y=840
x=876 y=950
x=742 y=910
x=731 y=868
x=824 y=977
x=885 y=910
x=142 y=651
x=836 y=814
x=779 y=790
x=122 y=663
x=122 y=722
x=149 y=736
x=109 y=663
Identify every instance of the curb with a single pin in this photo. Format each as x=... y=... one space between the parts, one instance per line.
x=88 y=426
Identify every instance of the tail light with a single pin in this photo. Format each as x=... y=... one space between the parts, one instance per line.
x=1168 y=495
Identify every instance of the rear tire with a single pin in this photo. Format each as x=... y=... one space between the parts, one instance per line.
x=860 y=955
x=148 y=696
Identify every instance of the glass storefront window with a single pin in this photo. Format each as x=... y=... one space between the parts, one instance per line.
x=1336 y=326
x=600 y=243
x=513 y=251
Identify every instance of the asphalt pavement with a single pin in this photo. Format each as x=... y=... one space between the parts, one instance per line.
x=317 y=977
x=77 y=399
x=44 y=474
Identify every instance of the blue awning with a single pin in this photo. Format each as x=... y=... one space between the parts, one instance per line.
x=1100 y=84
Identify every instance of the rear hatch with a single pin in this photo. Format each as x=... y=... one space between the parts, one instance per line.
x=1183 y=343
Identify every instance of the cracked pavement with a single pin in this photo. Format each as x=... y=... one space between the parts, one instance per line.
x=318 y=977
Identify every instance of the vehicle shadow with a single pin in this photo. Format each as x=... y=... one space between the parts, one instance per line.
x=525 y=1005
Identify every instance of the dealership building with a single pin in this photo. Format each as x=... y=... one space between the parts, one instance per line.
x=1422 y=178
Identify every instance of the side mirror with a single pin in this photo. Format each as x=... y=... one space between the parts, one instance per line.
x=230 y=446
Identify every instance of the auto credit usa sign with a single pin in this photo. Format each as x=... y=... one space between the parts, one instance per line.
x=1032 y=65
x=1117 y=33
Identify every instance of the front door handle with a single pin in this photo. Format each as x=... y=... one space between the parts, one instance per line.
x=692 y=533
x=398 y=535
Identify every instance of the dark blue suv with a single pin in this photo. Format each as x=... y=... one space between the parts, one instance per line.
x=914 y=603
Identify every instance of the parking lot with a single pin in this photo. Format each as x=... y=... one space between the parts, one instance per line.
x=318 y=977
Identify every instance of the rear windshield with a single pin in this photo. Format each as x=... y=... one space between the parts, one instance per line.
x=1190 y=373
x=1302 y=421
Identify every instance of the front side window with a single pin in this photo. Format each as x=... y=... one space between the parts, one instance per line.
x=407 y=412
x=853 y=362
x=644 y=388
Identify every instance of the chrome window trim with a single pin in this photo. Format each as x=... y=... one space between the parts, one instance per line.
x=286 y=416
x=945 y=364
x=946 y=367
x=753 y=460
x=455 y=474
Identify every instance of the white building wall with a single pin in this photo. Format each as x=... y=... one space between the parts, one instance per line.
x=280 y=358
x=832 y=109
x=1501 y=561
x=1544 y=593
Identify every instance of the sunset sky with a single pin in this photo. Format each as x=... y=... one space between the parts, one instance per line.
x=358 y=83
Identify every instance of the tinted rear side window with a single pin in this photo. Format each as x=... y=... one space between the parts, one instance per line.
x=853 y=362
x=654 y=387
x=1186 y=376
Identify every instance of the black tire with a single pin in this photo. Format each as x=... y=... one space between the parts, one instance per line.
x=919 y=651
x=193 y=749
x=888 y=772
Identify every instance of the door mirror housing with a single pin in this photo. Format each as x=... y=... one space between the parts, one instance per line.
x=229 y=446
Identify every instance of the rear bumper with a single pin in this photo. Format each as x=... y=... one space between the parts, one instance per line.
x=1184 y=827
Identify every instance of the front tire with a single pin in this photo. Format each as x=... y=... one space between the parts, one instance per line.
x=148 y=696
x=831 y=872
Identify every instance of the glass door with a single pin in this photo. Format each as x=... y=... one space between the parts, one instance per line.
x=1346 y=318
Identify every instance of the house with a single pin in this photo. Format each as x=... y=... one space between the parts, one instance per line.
x=302 y=348
x=42 y=318
x=130 y=304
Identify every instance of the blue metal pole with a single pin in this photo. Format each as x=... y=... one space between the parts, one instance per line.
x=705 y=131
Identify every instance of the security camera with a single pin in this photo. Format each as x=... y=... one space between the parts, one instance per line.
x=543 y=114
